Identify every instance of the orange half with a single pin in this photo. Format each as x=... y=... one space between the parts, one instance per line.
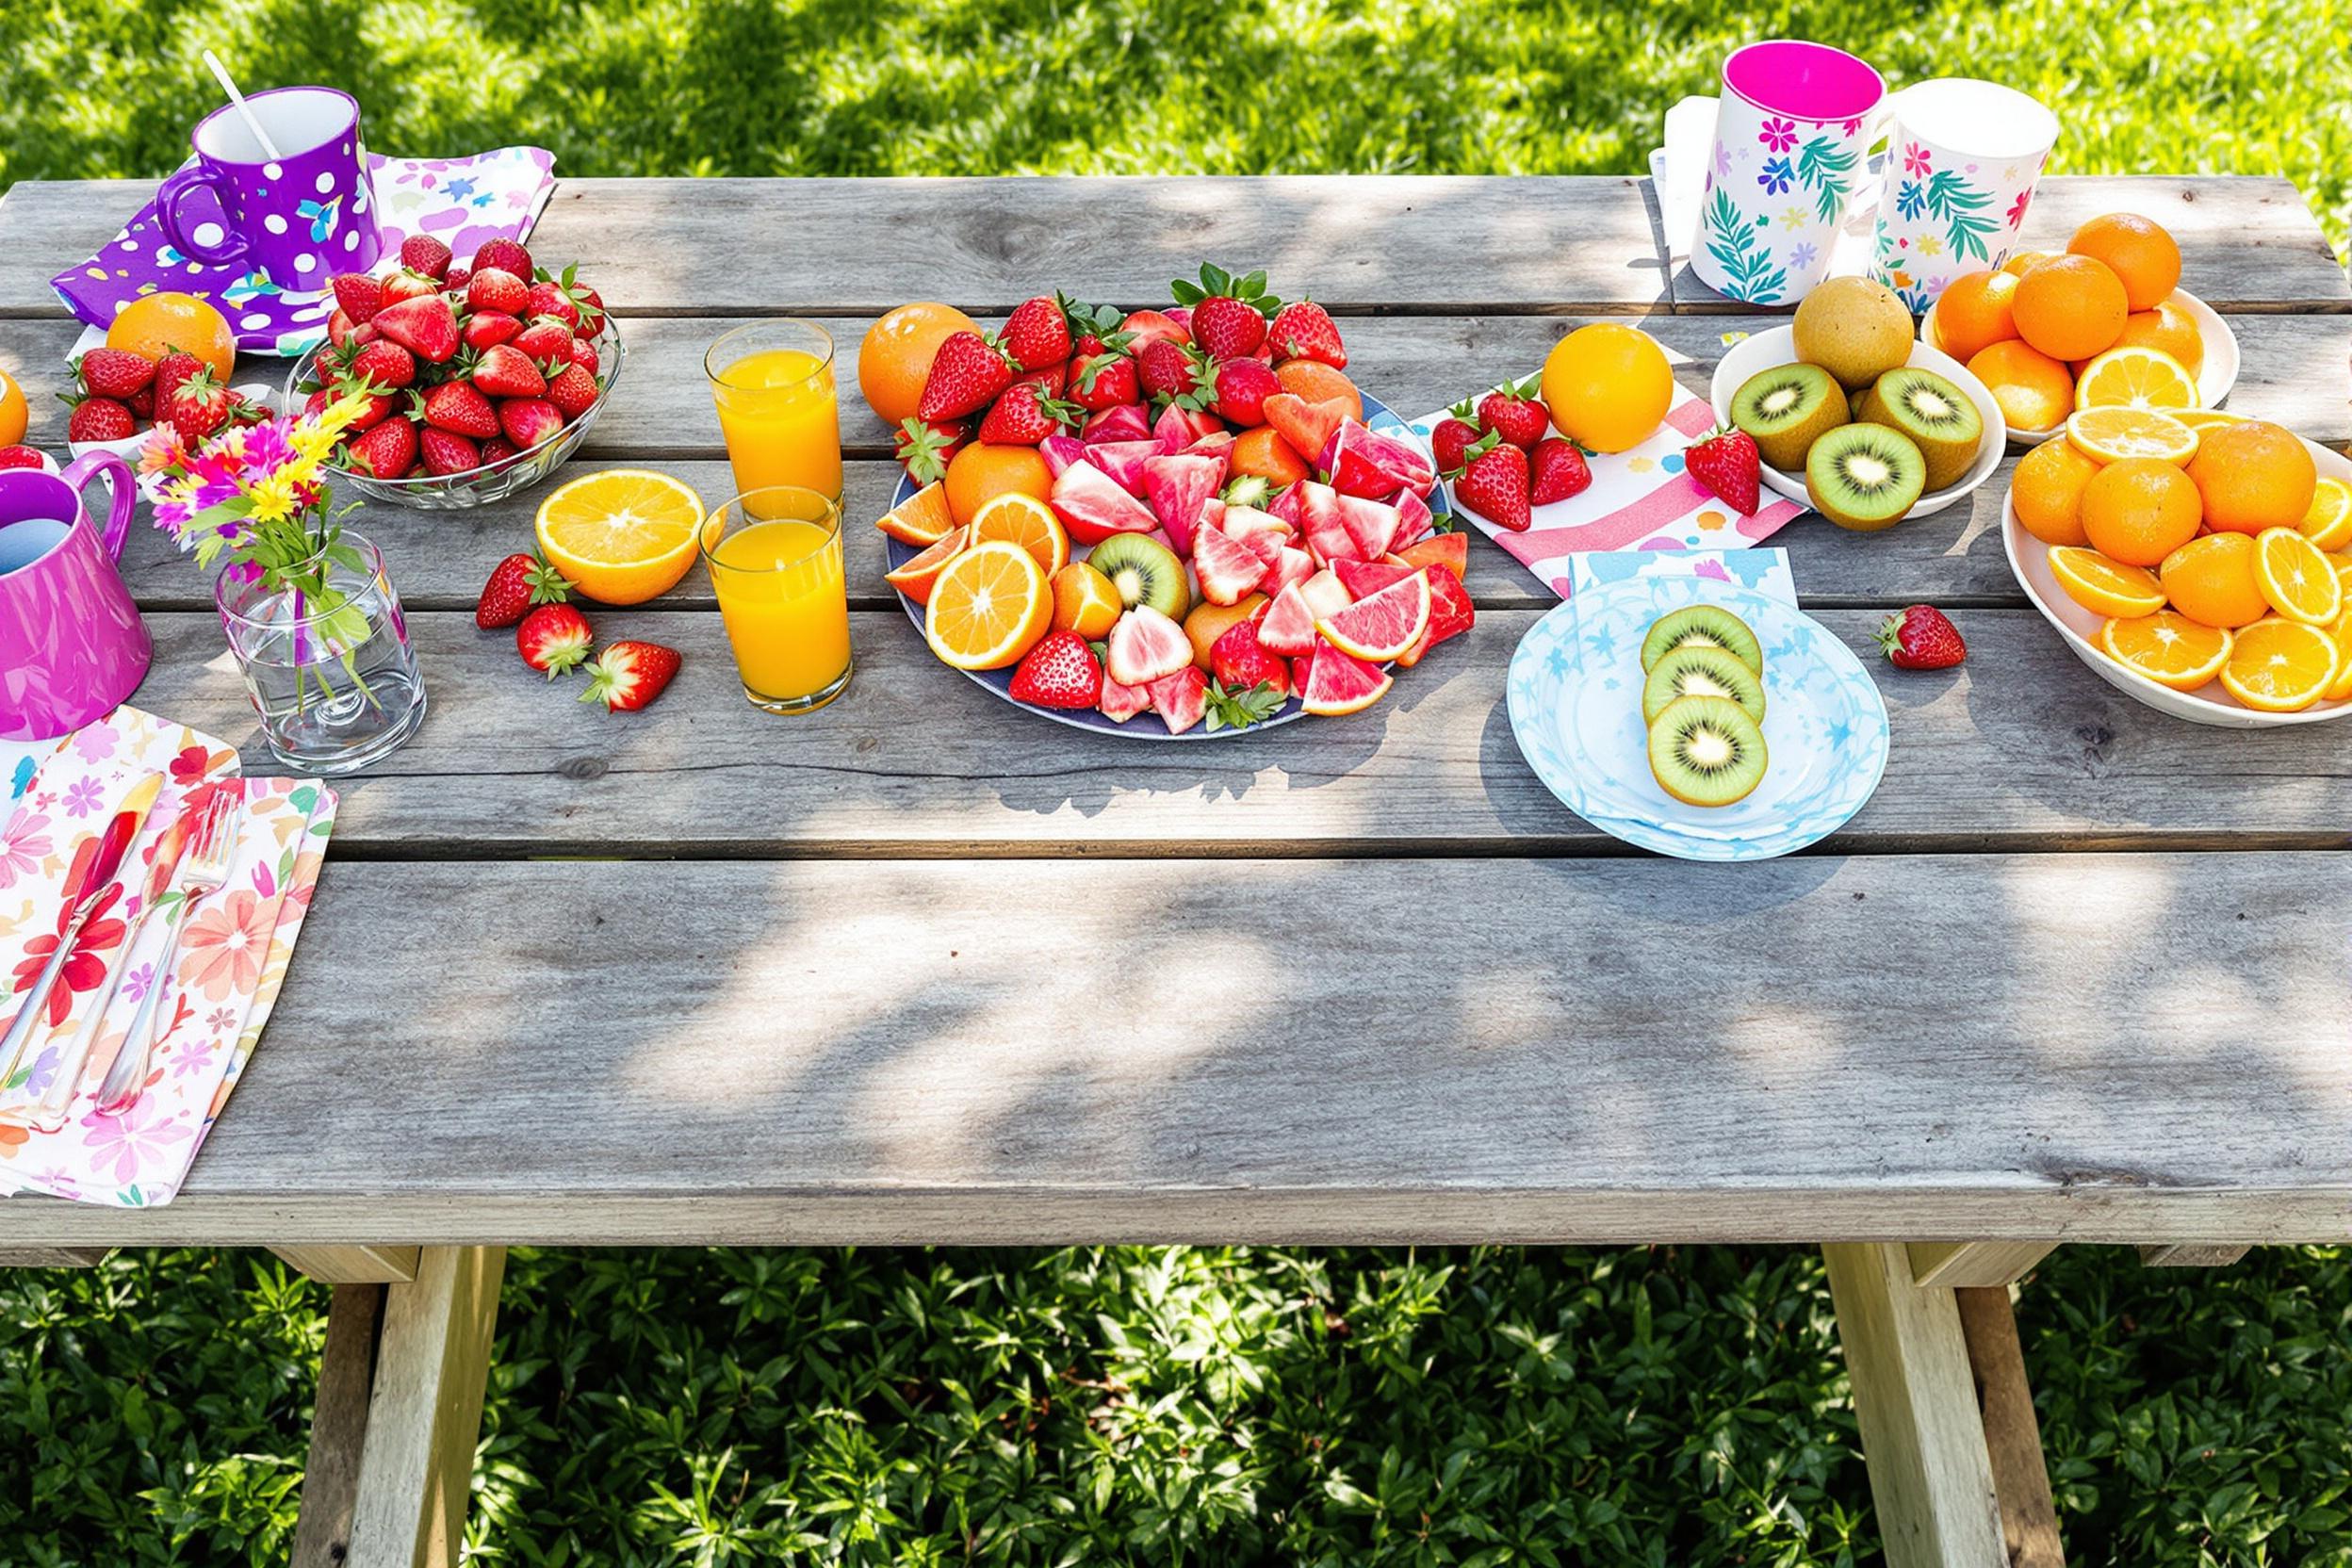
x=2298 y=579
x=2105 y=587
x=2282 y=666
x=1024 y=520
x=988 y=606
x=2169 y=649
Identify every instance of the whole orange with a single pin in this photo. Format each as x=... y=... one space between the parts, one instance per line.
x=14 y=412
x=980 y=473
x=1317 y=381
x=2137 y=250
x=2034 y=391
x=2253 y=476
x=2167 y=327
x=2046 y=490
x=1975 y=313
x=2024 y=261
x=2140 y=510
x=2071 y=307
x=155 y=323
x=895 y=358
x=1608 y=385
x=2211 y=580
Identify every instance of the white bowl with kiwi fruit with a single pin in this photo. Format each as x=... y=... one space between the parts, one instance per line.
x=1854 y=416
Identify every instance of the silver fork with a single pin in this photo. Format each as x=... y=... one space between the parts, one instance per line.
x=204 y=870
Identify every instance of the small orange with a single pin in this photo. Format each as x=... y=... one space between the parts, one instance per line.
x=2137 y=250
x=894 y=360
x=1315 y=380
x=921 y=518
x=2025 y=261
x=2211 y=581
x=2106 y=587
x=2282 y=666
x=1084 y=601
x=982 y=472
x=2168 y=328
x=1975 y=313
x=2296 y=577
x=2071 y=307
x=1263 y=452
x=1026 y=521
x=990 y=605
x=2171 y=650
x=2254 y=476
x=153 y=323
x=2033 y=390
x=2046 y=490
x=14 y=413
x=916 y=577
x=2140 y=510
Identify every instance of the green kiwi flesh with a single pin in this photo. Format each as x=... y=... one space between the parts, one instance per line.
x=1706 y=751
x=1865 y=477
x=1939 y=417
x=1786 y=410
x=1696 y=670
x=1144 y=571
x=1702 y=626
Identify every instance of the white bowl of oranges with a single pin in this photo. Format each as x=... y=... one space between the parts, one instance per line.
x=2200 y=562
x=2104 y=323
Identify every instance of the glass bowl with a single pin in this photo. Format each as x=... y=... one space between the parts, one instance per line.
x=492 y=482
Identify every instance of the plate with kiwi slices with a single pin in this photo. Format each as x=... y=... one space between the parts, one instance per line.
x=1866 y=434
x=1697 y=718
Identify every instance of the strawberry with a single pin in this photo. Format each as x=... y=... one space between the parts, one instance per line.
x=1557 y=471
x=1921 y=638
x=459 y=276
x=383 y=362
x=1166 y=369
x=584 y=354
x=491 y=290
x=1493 y=483
x=487 y=329
x=1726 y=465
x=1242 y=387
x=1239 y=662
x=1036 y=333
x=547 y=298
x=574 y=392
x=527 y=421
x=379 y=408
x=142 y=403
x=630 y=674
x=175 y=366
x=1513 y=411
x=20 y=457
x=447 y=453
x=517 y=585
x=553 y=638
x=402 y=287
x=1304 y=329
x=99 y=419
x=339 y=329
x=966 y=375
x=543 y=341
x=198 y=407
x=926 y=449
x=1450 y=440
x=422 y=254
x=1228 y=313
x=460 y=408
x=1050 y=381
x=115 y=373
x=245 y=411
x=387 y=451
x=359 y=295
x=506 y=371
x=497 y=449
x=1104 y=379
x=507 y=255
x=591 y=309
x=1022 y=418
x=1059 y=672
x=426 y=326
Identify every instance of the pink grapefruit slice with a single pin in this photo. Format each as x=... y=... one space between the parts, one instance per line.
x=1384 y=625
x=1338 y=685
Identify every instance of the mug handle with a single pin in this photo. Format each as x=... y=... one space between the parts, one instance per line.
x=122 y=491
x=1867 y=195
x=175 y=190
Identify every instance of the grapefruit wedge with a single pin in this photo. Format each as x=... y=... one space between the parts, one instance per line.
x=1288 y=628
x=1384 y=625
x=1337 y=684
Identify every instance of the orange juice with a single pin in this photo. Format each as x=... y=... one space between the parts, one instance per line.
x=777 y=410
x=781 y=593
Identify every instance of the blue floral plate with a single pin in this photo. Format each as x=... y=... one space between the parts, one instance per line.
x=1575 y=710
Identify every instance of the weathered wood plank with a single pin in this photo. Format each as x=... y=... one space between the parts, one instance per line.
x=338 y=1428
x=432 y=1365
x=53 y=1257
x=1253 y=1050
x=1923 y=1437
x=2012 y=1434
x=352 y=1265
x=2247 y=242
x=1951 y=1263
x=2193 y=1255
x=915 y=760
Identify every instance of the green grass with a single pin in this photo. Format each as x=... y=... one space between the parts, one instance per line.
x=1172 y=1408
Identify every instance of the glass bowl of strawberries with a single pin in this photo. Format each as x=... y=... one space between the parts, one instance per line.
x=486 y=375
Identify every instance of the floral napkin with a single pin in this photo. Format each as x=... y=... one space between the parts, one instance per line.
x=232 y=958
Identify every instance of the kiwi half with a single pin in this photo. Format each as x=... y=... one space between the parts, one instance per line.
x=1697 y=670
x=1865 y=477
x=1939 y=417
x=1707 y=626
x=1787 y=409
x=1144 y=571
x=1706 y=751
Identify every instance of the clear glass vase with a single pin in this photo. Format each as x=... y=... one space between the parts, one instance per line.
x=336 y=690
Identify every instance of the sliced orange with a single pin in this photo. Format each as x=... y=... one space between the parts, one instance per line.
x=2136 y=377
x=2298 y=580
x=916 y=577
x=2282 y=666
x=2105 y=587
x=2329 y=524
x=2171 y=650
x=2205 y=418
x=2111 y=434
x=2340 y=687
x=988 y=606
x=1084 y=601
x=621 y=535
x=1024 y=520
x=923 y=518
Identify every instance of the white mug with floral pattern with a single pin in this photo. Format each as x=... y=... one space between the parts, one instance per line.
x=1791 y=128
x=1962 y=159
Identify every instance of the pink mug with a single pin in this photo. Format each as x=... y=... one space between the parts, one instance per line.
x=71 y=645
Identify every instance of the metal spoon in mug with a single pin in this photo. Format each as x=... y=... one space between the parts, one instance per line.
x=203 y=871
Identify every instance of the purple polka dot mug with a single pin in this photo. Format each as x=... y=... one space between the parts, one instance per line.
x=294 y=220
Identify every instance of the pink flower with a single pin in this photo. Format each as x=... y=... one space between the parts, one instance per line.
x=224 y=946
x=142 y=1133
x=83 y=796
x=95 y=741
x=1778 y=134
x=2017 y=208
x=24 y=846
x=1916 y=162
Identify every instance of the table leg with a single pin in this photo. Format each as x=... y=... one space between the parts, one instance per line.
x=339 y=1427
x=2012 y=1434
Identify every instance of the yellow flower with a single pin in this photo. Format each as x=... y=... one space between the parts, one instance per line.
x=272 y=496
x=315 y=433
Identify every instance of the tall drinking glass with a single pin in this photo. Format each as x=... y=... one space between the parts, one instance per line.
x=774 y=558
x=773 y=383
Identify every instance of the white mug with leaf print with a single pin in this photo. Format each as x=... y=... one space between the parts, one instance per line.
x=1962 y=159
x=1791 y=128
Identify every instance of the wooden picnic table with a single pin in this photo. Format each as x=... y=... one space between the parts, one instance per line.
x=921 y=968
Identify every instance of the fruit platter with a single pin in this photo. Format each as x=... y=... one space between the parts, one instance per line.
x=1188 y=517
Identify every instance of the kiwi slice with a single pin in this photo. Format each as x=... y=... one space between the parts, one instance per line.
x=1935 y=415
x=1787 y=409
x=1865 y=477
x=1707 y=626
x=1697 y=670
x=1144 y=571
x=1706 y=751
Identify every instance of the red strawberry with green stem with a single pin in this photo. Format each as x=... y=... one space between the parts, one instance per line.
x=1036 y=333
x=1304 y=329
x=553 y=638
x=383 y=362
x=1726 y=464
x=506 y=371
x=115 y=373
x=1242 y=386
x=359 y=295
x=1493 y=483
x=544 y=341
x=1229 y=314
x=1513 y=411
x=446 y=452
x=387 y=451
x=966 y=374
x=1921 y=638
x=199 y=406
x=507 y=255
x=491 y=290
x=1557 y=471
x=574 y=391
x=517 y=585
x=1104 y=378
x=1453 y=435
x=927 y=448
x=426 y=326
x=422 y=254
x=630 y=674
x=486 y=329
x=462 y=410
x=99 y=419
x=1022 y=418
x=1168 y=369
x=1059 y=672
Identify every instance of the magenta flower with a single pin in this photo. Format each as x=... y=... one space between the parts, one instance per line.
x=24 y=846
x=1916 y=162
x=2017 y=208
x=142 y=1132
x=1778 y=134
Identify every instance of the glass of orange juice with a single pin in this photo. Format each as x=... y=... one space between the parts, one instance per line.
x=774 y=558
x=773 y=383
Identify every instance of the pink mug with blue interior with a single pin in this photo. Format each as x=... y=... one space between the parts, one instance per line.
x=71 y=645
x=1792 y=126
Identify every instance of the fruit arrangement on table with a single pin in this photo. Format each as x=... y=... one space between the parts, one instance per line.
x=1191 y=512
x=486 y=374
